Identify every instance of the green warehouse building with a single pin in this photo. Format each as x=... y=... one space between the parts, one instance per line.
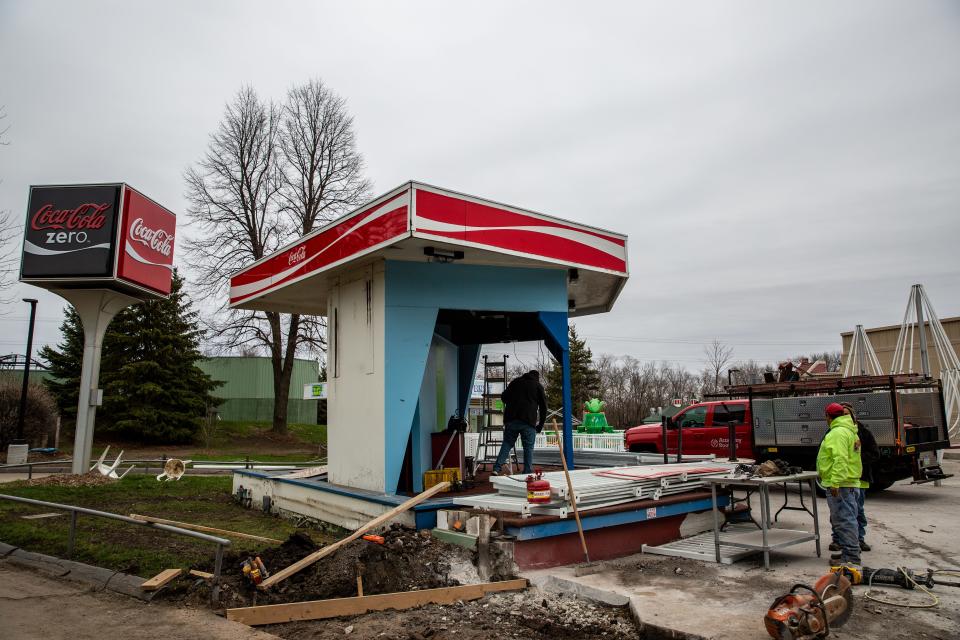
x=247 y=389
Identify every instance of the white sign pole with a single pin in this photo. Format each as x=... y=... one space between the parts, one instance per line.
x=96 y=308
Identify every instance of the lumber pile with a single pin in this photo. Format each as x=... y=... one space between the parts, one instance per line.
x=595 y=488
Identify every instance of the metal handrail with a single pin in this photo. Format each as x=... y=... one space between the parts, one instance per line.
x=75 y=511
x=158 y=461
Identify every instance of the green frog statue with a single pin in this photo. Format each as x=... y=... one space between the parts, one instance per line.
x=594 y=420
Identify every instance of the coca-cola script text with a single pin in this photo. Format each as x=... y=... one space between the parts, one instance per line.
x=157 y=239
x=86 y=216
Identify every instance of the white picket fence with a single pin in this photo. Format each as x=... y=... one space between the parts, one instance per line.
x=545 y=440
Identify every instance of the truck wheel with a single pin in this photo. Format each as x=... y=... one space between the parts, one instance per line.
x=642 y=448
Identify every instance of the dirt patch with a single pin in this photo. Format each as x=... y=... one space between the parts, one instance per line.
x=531 y=615
x=92 y=479
x=408 y=560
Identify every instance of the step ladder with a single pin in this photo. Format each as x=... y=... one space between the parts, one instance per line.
x=491 y=433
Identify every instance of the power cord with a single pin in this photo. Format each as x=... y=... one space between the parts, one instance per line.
x=935 y=601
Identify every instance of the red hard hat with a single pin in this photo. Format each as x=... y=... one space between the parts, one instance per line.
x=834 y=409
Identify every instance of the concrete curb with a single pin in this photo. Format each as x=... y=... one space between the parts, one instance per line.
x=555 y=584
x=96 y=576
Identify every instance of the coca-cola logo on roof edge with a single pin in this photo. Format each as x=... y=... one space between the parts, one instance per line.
x=87 y=216
x=157 y=239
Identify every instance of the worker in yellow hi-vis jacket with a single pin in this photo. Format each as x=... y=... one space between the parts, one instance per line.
x=839 y=467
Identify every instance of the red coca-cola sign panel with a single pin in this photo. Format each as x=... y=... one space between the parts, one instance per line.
x=147 y=234
x=105 y=235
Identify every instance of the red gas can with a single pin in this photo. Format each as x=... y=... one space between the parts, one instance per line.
x=538 y=489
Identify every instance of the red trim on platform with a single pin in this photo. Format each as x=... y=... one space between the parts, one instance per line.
x=603 y=544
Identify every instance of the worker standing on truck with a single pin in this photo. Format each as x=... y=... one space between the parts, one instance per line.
x=524 y=413
x=786 y=372
x=869 y=452
x=839 y=467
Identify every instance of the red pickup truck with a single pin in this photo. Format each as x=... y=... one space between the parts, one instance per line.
x=705 y=430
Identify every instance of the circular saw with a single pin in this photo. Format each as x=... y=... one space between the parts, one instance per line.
x=807 y=613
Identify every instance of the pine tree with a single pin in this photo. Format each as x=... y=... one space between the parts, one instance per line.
x=153 y=390
x=64 y=364
x=584 y=378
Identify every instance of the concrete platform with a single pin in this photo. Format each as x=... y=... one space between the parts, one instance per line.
x=911 y=525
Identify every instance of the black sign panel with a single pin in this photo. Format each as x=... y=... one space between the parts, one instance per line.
x=70 y=232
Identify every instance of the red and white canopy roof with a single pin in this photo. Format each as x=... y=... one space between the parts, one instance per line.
x=401 y=223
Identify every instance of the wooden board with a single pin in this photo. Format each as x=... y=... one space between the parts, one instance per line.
x=299 y=565
x=320 y=609
x=198 y=527
x=161 y=579
x=41 y=516
x=201 y=574
x=309 y=472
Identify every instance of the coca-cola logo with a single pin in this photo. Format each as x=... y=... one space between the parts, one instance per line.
x=157 y=239
x=297 y=255
x=87 y=216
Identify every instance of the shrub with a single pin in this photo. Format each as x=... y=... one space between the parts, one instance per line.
x=40 y=416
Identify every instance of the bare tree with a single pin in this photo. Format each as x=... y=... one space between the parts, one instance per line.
x=9 y=231
x=269 y=175
x=322 y=175
x=232 y=194
x=717 y=356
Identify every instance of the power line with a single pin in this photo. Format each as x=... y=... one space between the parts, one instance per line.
x=702 y=342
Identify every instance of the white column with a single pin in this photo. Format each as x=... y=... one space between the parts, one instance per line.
x=96 y=308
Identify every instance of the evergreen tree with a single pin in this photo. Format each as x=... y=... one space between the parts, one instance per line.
x=152 y=387
x=584 y=378
x=64 y=364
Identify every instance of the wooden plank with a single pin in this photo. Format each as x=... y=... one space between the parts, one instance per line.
x=197 y=527
x=321 y=609
x=201 y=574
x=309 y=472
x=161 y=579
x=41 y=516
x=283 y=574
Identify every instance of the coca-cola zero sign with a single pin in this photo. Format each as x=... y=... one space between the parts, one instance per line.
x=70 y=232
x=100 y=236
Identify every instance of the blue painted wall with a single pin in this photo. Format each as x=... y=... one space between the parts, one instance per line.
x=414 y=294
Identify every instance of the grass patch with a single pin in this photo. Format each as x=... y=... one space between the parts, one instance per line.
x=130 y=548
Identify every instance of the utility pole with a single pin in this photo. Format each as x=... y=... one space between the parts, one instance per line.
x=26 y=370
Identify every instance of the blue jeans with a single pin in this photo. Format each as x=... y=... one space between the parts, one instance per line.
x=843 y=519
x=528 y=436
x=861 y=515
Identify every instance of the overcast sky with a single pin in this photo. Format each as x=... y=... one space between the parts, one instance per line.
x=784 y=170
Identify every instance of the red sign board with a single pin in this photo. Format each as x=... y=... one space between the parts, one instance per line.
x=147 y=232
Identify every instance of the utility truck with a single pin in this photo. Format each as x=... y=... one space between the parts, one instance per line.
x=786 y=420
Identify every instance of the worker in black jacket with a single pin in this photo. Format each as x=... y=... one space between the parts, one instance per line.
x=525 y=411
